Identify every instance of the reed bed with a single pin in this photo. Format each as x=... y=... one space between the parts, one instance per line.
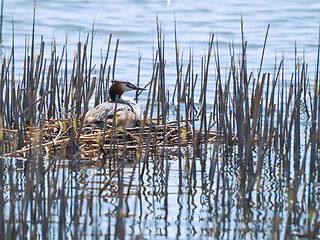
x=95 y=143
x=262 y=125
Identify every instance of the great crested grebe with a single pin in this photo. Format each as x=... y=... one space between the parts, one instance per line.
x=128 y=112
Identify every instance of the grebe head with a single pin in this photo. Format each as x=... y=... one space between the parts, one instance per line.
x=119 y=87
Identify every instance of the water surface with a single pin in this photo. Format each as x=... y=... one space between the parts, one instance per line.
x=180 y=210
x=134 y=23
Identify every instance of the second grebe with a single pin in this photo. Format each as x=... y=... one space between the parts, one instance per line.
x=128 y=112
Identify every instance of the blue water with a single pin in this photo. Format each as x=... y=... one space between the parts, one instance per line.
x=134 y=24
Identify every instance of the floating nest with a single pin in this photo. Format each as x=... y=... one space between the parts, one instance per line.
x=68 y=140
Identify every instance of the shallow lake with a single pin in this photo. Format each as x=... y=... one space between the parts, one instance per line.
x=165 y=203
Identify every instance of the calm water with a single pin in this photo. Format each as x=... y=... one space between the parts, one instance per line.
x=133 y=22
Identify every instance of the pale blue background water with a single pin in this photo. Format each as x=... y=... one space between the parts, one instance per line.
x=133 y=22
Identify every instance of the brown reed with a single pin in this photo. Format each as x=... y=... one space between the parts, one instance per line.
x=253 y=120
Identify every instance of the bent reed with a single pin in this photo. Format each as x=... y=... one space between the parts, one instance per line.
x=253 y=117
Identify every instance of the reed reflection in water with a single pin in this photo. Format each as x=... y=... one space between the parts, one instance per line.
x=245 y=166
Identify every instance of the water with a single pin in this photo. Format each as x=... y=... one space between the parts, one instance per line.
x=185 y=215
x=133 y=22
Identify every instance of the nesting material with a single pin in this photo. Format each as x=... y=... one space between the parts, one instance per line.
x=92 y=143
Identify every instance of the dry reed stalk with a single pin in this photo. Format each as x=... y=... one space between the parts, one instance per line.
x=253 y=121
